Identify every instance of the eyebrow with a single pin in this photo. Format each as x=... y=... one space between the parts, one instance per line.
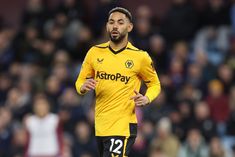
x=119 y=20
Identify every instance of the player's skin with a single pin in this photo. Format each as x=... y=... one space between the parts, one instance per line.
x=118 y=27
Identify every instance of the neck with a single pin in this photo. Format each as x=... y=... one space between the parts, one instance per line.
x=117 y=46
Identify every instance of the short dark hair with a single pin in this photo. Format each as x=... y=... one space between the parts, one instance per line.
x=122 y=10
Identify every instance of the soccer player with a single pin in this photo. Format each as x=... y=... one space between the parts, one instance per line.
x=115 y=70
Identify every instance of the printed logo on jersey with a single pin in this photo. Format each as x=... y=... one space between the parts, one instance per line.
x=100 y=60
x=114 y=77
x=129 y=64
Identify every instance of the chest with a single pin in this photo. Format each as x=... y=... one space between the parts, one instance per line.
x=41 y=127
x=123 y=62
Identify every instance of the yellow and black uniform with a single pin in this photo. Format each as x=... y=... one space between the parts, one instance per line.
x=118 y=73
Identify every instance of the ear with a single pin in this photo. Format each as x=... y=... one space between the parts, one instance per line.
x=130 y=27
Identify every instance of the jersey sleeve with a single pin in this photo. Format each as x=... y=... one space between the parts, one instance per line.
x=86 y=71
x=150 y=77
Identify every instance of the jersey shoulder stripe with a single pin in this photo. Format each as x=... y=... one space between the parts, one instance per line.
x=128 y=48
x=102 y=46
x=133 y=48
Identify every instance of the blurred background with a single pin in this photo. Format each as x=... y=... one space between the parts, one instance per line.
x=192 y=43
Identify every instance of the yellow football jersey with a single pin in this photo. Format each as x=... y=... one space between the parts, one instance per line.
x=118 y=73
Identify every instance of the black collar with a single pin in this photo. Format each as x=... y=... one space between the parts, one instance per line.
x=118 y=51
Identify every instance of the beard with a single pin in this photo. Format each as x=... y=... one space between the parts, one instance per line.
x=117 y=38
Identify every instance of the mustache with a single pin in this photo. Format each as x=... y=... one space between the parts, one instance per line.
x=115 y=31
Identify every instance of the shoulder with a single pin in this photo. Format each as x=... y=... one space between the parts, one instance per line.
x=139 y=52
x=96 y=48
x=53 y=117
x=133 y=48
x=101 y=46
x=28 y=119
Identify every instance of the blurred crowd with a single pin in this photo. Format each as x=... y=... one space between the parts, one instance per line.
x=193 y=49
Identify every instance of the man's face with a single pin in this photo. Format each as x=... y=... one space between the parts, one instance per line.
x=118 y=26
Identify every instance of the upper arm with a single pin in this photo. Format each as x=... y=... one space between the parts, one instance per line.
x=87 y=68
x=86 y=71
x=147 y=71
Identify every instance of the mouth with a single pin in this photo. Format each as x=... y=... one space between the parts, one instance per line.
x=115 y=33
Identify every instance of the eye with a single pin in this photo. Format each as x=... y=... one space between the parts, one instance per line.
x=111 y=22
x=120 y=22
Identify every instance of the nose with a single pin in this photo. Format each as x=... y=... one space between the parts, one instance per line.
x=115 y=26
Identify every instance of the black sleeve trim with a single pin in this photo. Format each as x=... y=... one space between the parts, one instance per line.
x=134 y=49
x=102 y=47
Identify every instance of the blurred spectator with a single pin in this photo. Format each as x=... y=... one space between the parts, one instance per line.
x=5 y=84
x=218 y=104
x=84 y=141
x=67 y=146
x=195 y=76
x=157 y=153
x=61 y=57
x=142 y=30
x=188 y=93
x=5 y=132
x=176 y=72
x=19 y=141
x=65 y=32
x=203 y=121
x=230 y=57
x=213 y=42
x=216 y=149
x=164 y=139
x=213 y=38
x=84 y=43
x=194 y=146
x=231 y=119
x=70 y=109
x=44 y=131
x=16 y=103
x=226 y=76
x=232 y=17
x=71 y=8
x=140 y=147
x=232 y=98
x=35 y=12
x=179 y=128
x=143 y=12
x=61 y=72
x=158 y=52
x=208 y=70
x=216 y=14
x=167 y=84
x=180 y=51
x=46 y=52
x=159 y=108
x=147 y=130
x=53 y=90
x=183 y=120
x=27 y=45
x=185 y=109
x=101 y=13
x=180 y=22
x=233 y=151
x=7 y=53
x=25 y=86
